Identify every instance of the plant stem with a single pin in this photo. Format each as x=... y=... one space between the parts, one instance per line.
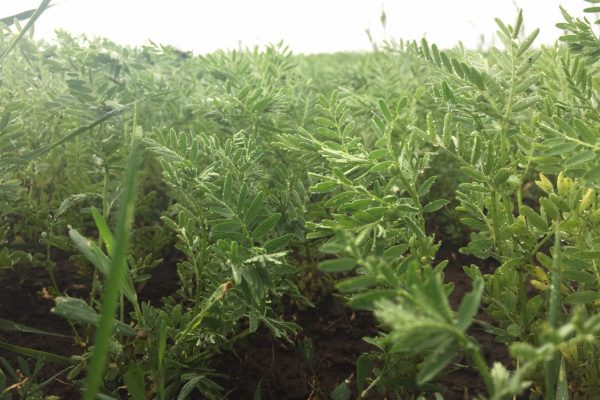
x=475 y=354
x=551 y=367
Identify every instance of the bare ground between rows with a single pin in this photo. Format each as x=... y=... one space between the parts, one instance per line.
x=334 y=332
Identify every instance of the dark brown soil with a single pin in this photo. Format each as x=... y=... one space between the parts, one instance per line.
x=24 y=300
x=464 y=382
x=293 y=371
x=285 y=370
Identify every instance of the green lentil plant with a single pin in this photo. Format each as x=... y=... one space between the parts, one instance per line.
x=27 y=383
x=227 y=227
x=519 y=129
x=375 y=225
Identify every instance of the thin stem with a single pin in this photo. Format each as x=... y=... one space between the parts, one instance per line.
x=475 y=354
x=551 y=367
x=495 y=223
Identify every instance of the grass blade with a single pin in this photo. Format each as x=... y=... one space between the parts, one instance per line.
x=11 y=326
x=115 y=278
x=38 y=12
x=25 y=158
x=36 y=353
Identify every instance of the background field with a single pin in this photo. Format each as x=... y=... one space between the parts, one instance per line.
x=408 y=222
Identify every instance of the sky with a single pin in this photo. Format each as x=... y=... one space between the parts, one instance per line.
x=307 y=26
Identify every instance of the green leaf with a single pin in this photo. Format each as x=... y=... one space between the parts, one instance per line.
x=426 y=186
x=550 y=208
x=189 y=386
x=355 y=205
x=364 y=366
x=241 y=203
x=435 y=205
x=377 y=154
x=258 y=391
x=277 y=243
x=103 y=230
x=437 y=361
x=582 y=297
x=473 y=173
x=324 y=122
x=431 y=129
x=534 y=218
x=97 y=257
x=474 y=187
x=367 y=300
x=562 y=385
x=501 y=176
x=261 y=105
x=11 y=326
x=45 y=149
x=91 y=251
x=227 y=227
x=518 y=24
x=38 y=354
x=474 y=223
x=382 y=166
x=560 y=148
x=395 y=251
x=527 y=42
x=324 y=187
x=338 y=265
x=593 y=175
x=502 y=27
x=385 y=110
x=36 y=14
x=227 y=187
x=425 y=49
x=589 y=254
x=470 y=305
x=134 y=380
x=524 y=103
x=340 y=199
x=580 y=158
x=255 y=207
x=414 y=227
x=265 y=226
x=162 y=343
x=116 y=277
x=70 y=201
x=356 y=283
x=341 y=392
x=77 y=310
x=327 y=133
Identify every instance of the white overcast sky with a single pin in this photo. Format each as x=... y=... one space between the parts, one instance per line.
x=307 y=26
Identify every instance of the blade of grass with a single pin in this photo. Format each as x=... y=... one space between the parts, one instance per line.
x=38 y=12
x=82 y=129
x=11 y=326
x=115 y=277
x=37 y=353
x=8 y=21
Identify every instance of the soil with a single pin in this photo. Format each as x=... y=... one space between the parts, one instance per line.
x=465 y=382
x=333 y=331
x=25 y=300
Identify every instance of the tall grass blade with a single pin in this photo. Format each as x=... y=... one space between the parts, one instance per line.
x=115 y=277
x=23 y=159
x=11 y=326
x=38 y=354
x=34 y=17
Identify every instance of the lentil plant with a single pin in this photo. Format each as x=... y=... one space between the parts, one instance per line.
x=249 y=185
